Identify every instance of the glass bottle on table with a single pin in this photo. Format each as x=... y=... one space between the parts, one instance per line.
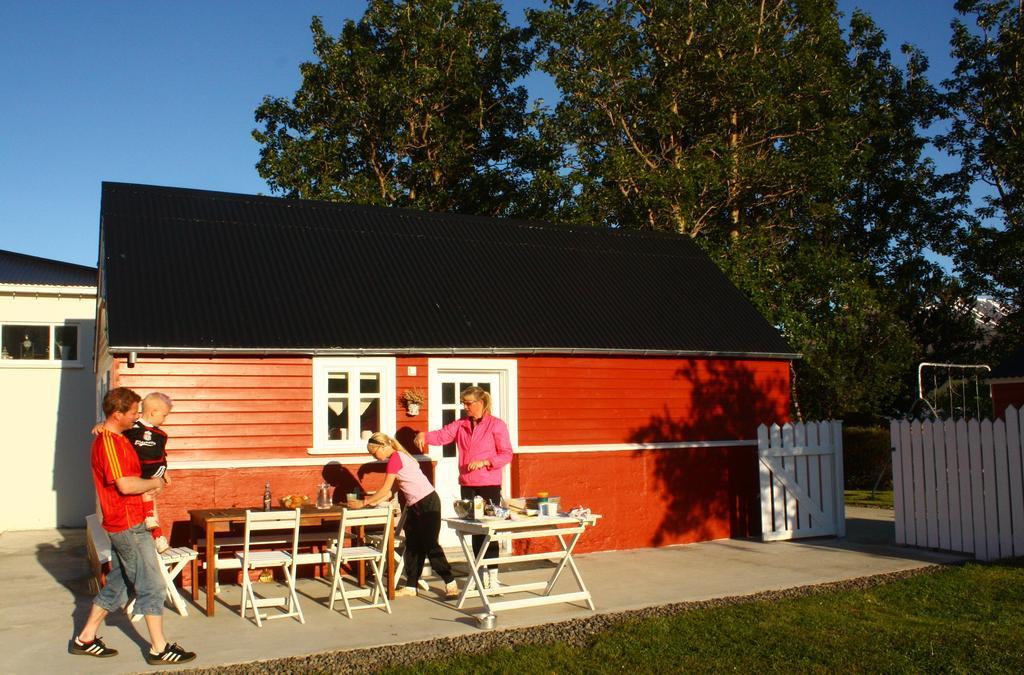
x=267 y=499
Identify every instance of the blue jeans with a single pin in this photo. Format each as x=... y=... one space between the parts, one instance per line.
x=134 y=566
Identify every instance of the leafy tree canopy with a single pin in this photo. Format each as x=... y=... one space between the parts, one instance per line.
x=986 y=93
x=792 y=148
x=415 y=105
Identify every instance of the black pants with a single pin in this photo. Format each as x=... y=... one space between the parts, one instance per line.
x=490 y=493
x=422 y=525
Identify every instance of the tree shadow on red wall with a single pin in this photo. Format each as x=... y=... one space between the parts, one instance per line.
x=712 y=492
x=342 y=479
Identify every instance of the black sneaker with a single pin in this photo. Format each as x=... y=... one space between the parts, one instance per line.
x=94 y=648
x=172 y=653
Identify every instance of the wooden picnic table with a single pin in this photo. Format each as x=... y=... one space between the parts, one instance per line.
x=207 y=524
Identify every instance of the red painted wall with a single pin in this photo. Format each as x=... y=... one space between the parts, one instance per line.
x=1008 y=393
x=229 y=407
x=577 y=400
x=649 y=497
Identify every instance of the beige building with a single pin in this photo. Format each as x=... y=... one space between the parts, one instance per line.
x=47 y=391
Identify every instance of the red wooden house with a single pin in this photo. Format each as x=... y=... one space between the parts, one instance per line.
x=632 y=374
x=1007 y=381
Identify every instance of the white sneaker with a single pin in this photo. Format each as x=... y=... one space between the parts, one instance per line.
x=486 y=578
x=152 y=523
x=492 y=580
x=161 y=544
x=451 y=589
x=405 y=592
x=423 y=585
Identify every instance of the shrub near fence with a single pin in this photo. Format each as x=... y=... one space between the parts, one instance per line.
x=867 y=455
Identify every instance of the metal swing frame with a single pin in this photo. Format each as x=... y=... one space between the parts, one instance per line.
x=949 y=366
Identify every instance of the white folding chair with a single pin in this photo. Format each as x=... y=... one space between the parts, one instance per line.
x=261 y=521
x=399 y=559
x=374 y=553
x=172 y=562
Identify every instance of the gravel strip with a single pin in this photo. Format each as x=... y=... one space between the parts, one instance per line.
x=575 y=632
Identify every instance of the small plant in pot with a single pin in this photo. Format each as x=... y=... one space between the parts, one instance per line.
x=413 y=399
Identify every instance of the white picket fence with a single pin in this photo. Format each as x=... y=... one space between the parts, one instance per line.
x=801 y=467
x=958 y=485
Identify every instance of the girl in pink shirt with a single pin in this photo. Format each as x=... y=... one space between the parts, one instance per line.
x=422 y=513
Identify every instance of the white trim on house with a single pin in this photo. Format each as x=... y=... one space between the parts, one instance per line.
x=41 y=363
x=506 y=371
x=48 y=290
x=322 y=366
x=439 y=352
x=619 y=447
x=524 y=450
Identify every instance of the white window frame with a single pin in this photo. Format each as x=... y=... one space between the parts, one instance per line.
x=51 y=361
x=385 y=367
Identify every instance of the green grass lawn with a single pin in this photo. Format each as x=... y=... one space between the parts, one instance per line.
x=961 y=619
x=881 y=498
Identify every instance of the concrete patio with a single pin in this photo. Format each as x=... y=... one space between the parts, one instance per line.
x=45 y=597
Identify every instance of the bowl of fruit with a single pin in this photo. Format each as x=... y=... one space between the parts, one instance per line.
x=294 y=501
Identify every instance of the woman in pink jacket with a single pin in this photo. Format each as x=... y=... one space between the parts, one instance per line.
x=484 y=448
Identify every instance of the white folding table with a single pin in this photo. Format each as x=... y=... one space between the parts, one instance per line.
x=567 y=530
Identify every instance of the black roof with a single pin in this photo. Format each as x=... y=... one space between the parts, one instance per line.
x=1011 y=366
x=18 y=268
x=236 y=272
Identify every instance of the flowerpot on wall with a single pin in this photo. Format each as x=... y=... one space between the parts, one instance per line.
x=413 y=409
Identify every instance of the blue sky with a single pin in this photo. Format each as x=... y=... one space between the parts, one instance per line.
x=164 y=93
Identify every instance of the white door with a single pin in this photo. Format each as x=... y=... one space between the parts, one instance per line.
x=447 y=380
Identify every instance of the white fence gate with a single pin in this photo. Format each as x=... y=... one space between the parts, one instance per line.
x=957 y=485
x=801 y=469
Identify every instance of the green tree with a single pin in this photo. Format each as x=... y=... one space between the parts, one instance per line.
x=415 y=105
x=700 y=118
x=792 y=153
x=899 y=208
x=987 y=135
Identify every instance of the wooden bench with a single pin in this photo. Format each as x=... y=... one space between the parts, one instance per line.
x=173 y=561
x=315 y=540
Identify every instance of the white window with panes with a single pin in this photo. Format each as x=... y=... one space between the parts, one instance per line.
x=34 y=343
x=352 y=399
